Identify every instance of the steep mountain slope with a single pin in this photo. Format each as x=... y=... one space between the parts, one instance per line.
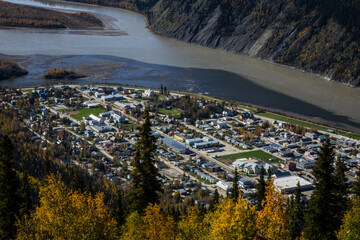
x=316 y=36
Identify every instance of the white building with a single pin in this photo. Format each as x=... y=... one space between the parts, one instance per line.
x=97 y=119
x=223 y=186
x=148 y=93
x=289 y=184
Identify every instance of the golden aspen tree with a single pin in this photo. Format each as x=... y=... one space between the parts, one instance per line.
x=271 y=219
x=66 y=214
x=192 y=226
x=133 y=229
x=232 y=220
x=157 y=226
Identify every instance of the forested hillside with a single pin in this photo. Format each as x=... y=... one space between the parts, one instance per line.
x=44 y=196
x=10 y=69
x=318 y=36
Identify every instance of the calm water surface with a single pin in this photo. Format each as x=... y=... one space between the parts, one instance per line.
x=214 y=71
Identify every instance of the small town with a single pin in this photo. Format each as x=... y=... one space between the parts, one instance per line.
x=201 y=141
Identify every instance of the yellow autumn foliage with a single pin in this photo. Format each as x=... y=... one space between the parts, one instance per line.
x=67 y=214
x=232 y=220
x=157 y=225
x=192 y=226
x=271 y=220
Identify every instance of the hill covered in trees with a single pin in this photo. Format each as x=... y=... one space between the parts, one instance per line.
x=318 y=36
x=44 y=198
x=61 y=73
x=10 y=69
x=15 y=15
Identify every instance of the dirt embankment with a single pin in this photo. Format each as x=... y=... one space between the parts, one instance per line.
x=15 y=15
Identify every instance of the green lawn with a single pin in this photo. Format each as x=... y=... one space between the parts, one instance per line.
x=85 y=112
x=127 y=126
x=169 y=112
x=63 y=110
x=199 y=178
x=228 y=159
x=306 y=124
x=27 y=90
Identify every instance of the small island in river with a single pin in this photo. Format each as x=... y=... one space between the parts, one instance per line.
x=10 y=69
x=61 y=73
x=15 y=15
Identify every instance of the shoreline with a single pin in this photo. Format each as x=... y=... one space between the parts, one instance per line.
x=244 y=105
x=107 y=21
x=109 y=28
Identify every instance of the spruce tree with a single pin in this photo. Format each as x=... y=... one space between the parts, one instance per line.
x=146 y=186
x=118 y=208
x=296 y=214
x=261 y=189
x=214 y=201
x=321 y=215
x=26 y=195
x=356 y=186
x=9 y=186
x=235 y=189
x=341 y=189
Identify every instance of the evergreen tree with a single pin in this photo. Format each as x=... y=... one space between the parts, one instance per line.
x=165 y=90
x=161 y=89
x=261 y=189
x=76 y=180
x=296 y=214
x=214 y=201
x=146 y=186
x=341 y=189
x=118 y=208
x=26 y=195
x=321 y=215
x=9 y=185
x=356 y=186
x=235 y=189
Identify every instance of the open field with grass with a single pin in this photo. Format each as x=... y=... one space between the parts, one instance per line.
x=306 y=124
x=199 y=178
x=127 y=126
x=27 y=90
x=169 y=112
x=228 y=159
x=85 y=112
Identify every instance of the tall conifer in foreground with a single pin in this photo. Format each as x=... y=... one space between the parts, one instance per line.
x=356 y=186
x=322 y=213
x=261 y=189
x=296 y=214
x=235 y=189
x=9 y=185
x=146 y=186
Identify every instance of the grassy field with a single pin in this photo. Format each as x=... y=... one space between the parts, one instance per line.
x=169 y=112
x=306 y=124
x=85 y=112
x=228 y=159
x=128 y=126
x=199 y=178
x=27 y=90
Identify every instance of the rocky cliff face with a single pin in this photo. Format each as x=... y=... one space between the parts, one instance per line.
x=282 y=31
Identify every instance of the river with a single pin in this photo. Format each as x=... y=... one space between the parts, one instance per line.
x=180 y=66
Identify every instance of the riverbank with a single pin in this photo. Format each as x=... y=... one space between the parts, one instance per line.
x=16 y=15
x=46 y=20
x=266 y=114
x=115 y=70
